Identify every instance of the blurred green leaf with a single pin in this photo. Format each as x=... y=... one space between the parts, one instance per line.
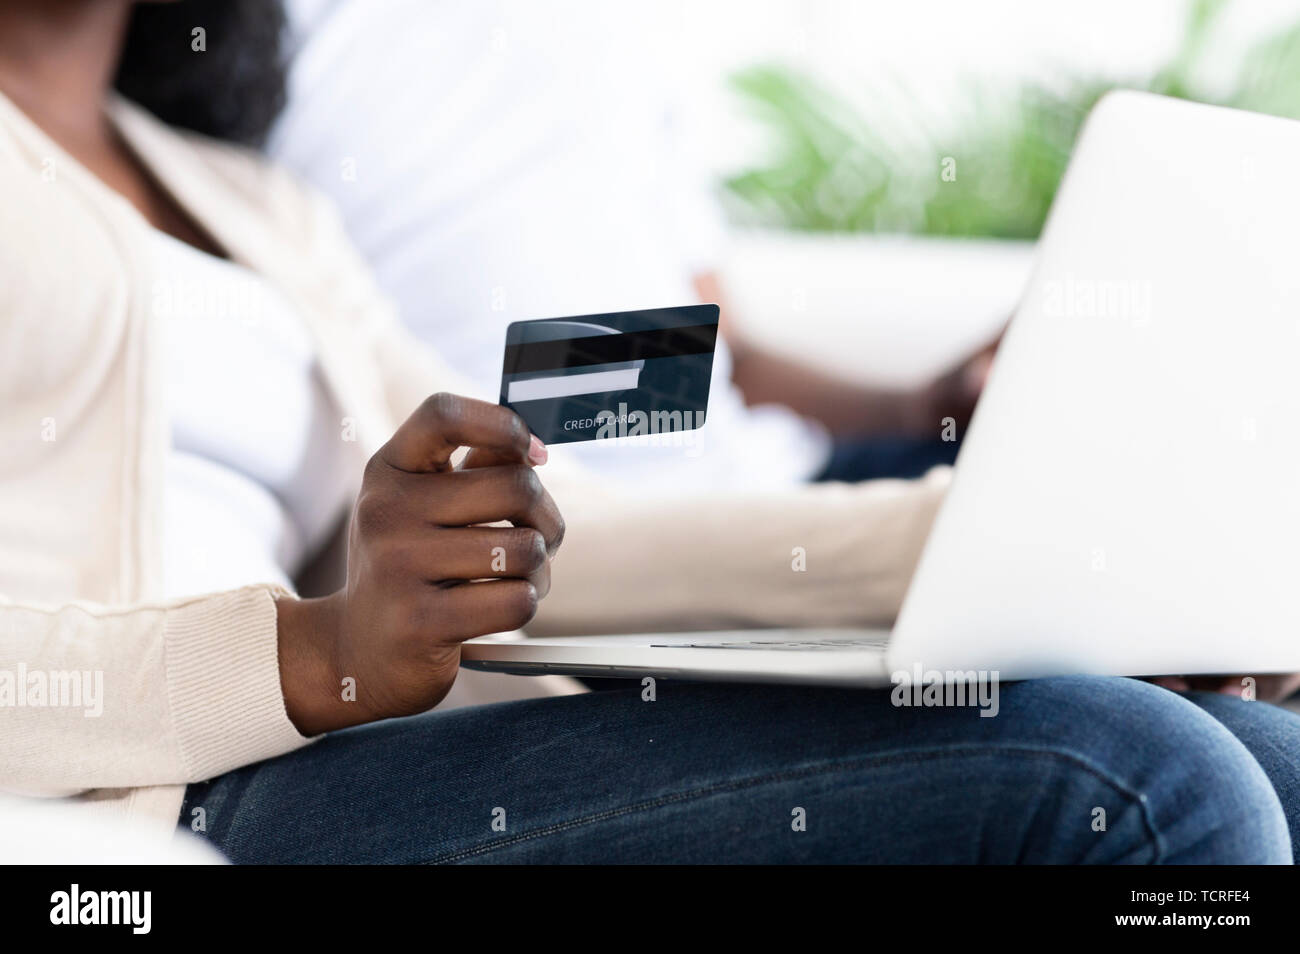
x=832 y=168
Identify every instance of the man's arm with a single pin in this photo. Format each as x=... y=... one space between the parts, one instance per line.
x=844 y=407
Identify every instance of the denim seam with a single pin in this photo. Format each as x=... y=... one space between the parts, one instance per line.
x=808 y=771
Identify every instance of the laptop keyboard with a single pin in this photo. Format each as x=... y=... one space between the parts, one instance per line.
x=798 y=645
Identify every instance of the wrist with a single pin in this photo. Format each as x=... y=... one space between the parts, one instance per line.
x=307 y=636
x=920 y=411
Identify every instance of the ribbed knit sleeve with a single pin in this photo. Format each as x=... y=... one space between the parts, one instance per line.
x=223 y=683
x=134 y=696
x=818 y=555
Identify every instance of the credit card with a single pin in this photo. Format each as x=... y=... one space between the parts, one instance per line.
x=617 y=375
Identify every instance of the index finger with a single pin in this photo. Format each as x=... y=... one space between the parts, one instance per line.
x=445 y=422
x=480 y=457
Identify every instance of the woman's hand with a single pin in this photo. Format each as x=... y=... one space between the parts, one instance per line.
x=424 y=574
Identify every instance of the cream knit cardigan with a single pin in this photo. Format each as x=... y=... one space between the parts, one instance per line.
x=191 y=686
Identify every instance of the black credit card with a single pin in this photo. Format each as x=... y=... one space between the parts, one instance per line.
x=617 y=375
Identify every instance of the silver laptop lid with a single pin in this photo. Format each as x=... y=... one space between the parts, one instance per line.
x=1128 y=498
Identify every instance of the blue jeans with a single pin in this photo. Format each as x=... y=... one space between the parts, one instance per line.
x=733 y=773
x=1272 y=736
x=876 y=458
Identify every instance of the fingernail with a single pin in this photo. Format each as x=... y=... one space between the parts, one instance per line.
x=537 y=451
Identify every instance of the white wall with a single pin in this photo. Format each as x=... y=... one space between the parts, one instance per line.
x=927 y=49
x=894 y=309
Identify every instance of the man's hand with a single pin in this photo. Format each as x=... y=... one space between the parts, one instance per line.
x=1272 y=687
x=954 y=393
x=424 y=573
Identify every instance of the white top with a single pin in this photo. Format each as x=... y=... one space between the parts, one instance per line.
x=541 y=179
x=255 y=479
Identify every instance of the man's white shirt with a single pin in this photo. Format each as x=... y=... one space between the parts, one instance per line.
x=501 y=160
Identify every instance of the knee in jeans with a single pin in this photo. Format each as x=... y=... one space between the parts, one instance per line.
x=1201 y=794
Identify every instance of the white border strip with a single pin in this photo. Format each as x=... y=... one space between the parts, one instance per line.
x=568 y=385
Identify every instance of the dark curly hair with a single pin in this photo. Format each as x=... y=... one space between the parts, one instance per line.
x=232 y=90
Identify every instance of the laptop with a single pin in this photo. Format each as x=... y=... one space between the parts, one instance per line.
x=1127 y=498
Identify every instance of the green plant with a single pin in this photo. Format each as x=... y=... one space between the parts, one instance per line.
x=992 y=171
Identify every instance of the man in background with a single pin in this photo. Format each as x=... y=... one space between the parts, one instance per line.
x=503 y=160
